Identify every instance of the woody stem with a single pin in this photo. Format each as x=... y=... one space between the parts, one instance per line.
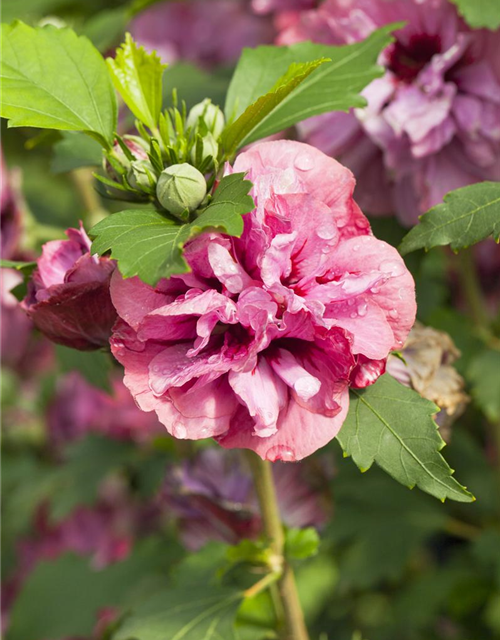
x=295 y=628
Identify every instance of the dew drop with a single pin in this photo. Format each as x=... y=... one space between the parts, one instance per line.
x=362 y=309
x=353 y=315
x=393 y=313
x=303 y=162
x=179 y=431
x=392 y=267
x=356 y=247
x=326 y=232
x=280 y=452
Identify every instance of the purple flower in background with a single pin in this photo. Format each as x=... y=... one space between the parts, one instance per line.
x=205 y=33
x=212 y=498
x=10 y=211
x=68 y=297
x=79 y=408
x=433 y=121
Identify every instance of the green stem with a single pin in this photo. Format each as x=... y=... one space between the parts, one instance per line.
x=83 y=180
x=472 y=290
x=295 y=628
x=462 y=529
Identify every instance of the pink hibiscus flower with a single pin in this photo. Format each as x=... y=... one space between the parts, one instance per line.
x=433 y=121
x=258 y=344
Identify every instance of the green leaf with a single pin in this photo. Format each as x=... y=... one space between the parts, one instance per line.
x=26 y=268
x=137 y=76
x=94 y=366
x=62 y=598
x=194 y=85
x=254 y=551
x=378 y=526
x=466 y=216
x=149 y=245
x=53 y=79
x=483 y=373
x=334 y=86
x=240 y=131
x=393 y=426
x=75 y=150
x=88 y=462
x=28 y=10
x=301 y=543
x=195 y=613
x=480 y=13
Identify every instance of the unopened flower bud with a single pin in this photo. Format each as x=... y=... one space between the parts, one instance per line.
x=209 y=148
x=181 y=187
x=138 y=175
x=211 y=114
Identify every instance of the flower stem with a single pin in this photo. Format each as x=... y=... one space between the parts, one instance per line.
x=472 y=290
x=83 y=180
x=273 y=530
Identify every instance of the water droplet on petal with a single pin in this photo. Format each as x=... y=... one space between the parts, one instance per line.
x=392 y=267
x=280 y=452
x=393 y=313
x=354 y=315
x=303 y=162
x=362 y=309
x=356 y=247
x=326 y=231
x=179 y=431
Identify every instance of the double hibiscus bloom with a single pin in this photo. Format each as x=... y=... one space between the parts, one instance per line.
x=258 y=344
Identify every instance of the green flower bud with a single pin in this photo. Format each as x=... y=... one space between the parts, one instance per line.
x=212 y=115
x=138 y=174
x=181 y=187
x=209 y=148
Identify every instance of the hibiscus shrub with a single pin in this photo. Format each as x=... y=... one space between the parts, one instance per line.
x=240 y=303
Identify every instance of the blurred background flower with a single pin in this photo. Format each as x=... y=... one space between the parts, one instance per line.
x=432 y=123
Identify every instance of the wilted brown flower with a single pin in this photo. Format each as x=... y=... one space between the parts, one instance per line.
x=428 y=368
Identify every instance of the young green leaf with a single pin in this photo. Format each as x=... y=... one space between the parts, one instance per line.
x=137 y=76
x=480 y=13
x=53 y=79
x=301 y=543
x=148 y=244
x=466 y=216
x=334 y=86
x=393 y=426
x=240 y=132
x=187 y=613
